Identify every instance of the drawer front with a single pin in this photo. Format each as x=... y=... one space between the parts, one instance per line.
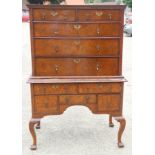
x=53 y=15
x=100 y=88
x=67 y=29
x=55 y=89
x=99 y=15
x=76 y=47
x=76 y=66
x=109 y=103
x=77 y=99
x=45 y=104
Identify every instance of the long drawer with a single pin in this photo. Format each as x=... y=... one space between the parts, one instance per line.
x=76 y=66
x=76 y=29
x=76 y=47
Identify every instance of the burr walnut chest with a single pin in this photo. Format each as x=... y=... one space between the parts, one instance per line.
x=76 y=60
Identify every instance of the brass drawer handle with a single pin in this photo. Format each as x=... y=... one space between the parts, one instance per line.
x=56 y=32
x=110 y=16
x=43 y=16
x=54 y=13
x=77 y=27
x=97 y=67
x=87 y=99
x=55 y=86
x=56 y=68
x=98 y=31
x=99 y=13
x=77 y=60
x=56 y=48
x=77 y=42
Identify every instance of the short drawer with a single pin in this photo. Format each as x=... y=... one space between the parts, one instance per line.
x=76 y=29
x=99 y=15
x=76 y=66
x=45 y=104
x=54 y=89
x=76 y=47
x=100 y=88
x=92 y=107
x=53 y=15
x=109 y=103
x=77 y=99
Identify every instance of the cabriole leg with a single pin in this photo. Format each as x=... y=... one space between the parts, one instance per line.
x=33 y=133
x=122 y=122
x=111 y=124
x=38 y=125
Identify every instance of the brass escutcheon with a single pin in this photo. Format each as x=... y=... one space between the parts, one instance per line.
x=99 y=13
x=97 y=67
x=55 y=86
x=77 y=60
x=54 y=13
x=56 y=48
x=56 y=32
x=56 y=68
x=77 y=27
x=77 y=42
x=98 y=31
x=98 y=47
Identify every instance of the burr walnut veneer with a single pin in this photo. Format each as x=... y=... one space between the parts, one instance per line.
x=76 y=60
